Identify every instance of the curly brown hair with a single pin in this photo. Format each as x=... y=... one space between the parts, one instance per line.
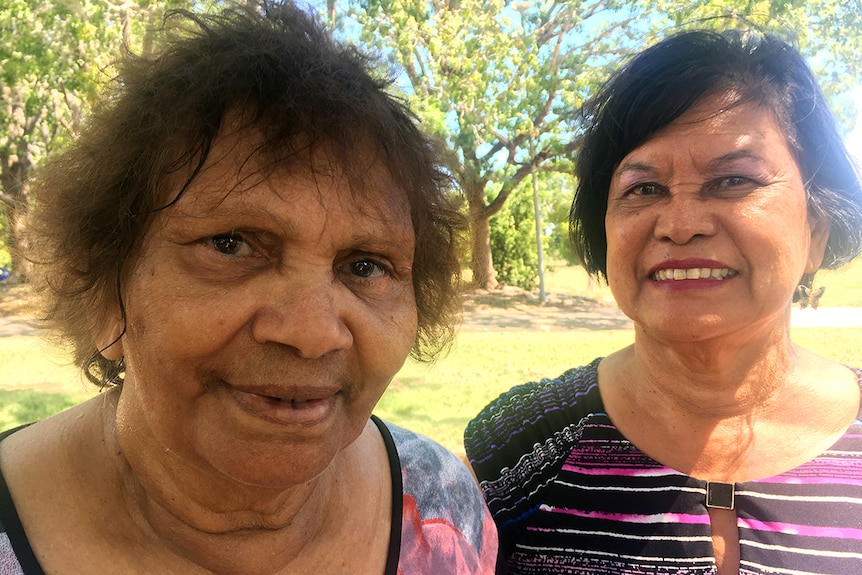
x=294 y=84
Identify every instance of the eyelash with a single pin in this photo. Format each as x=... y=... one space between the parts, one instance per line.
x=715 y=184
x=379 y=268
x=741 y=180
x=637 y=190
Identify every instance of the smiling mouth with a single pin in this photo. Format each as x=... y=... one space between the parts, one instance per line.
x=679 y=274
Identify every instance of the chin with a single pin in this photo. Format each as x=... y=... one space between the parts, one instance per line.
x=279 y=471
x=270 y=462
x=686 y=328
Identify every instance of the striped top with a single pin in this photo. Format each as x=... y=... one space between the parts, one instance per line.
x=571 y=495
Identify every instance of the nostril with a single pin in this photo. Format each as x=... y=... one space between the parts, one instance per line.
x=312 y=331
x=682 y=223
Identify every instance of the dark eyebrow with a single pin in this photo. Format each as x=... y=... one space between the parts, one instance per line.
x=733 y=156
x=633 y=167
x=714 y=163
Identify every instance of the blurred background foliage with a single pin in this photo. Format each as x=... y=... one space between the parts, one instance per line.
x=500 y=83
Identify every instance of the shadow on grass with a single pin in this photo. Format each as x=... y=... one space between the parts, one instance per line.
x=20 y=406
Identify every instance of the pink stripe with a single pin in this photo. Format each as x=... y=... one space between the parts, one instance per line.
x=802 y=480
x=804 y=530
x=624 y=472
x=627 y=518
x=600 y=426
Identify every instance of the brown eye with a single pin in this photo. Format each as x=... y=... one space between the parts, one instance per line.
x=228 y=244
x=367 y=269
x=735 y=181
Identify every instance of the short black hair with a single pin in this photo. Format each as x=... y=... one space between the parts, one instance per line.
x=661 y=83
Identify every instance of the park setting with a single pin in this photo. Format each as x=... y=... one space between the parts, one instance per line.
x=510 y=154
x=500 y=85
x=556 y=287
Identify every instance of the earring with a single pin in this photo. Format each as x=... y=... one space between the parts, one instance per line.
x=809 y=296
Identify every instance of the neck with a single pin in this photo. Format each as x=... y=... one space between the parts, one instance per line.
x=213 y=522
x=701 y=408
x=717 y=379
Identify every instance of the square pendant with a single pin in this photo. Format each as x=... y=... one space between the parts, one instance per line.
x=719 y=495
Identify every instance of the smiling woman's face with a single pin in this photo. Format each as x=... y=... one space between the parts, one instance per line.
x=266 y=316
x=708 y=226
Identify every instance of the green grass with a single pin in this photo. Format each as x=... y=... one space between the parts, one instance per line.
x=438 y=400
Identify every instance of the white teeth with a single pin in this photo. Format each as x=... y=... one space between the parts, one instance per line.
x=693 y=274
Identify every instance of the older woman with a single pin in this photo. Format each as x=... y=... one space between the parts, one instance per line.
x=243 y=248
x=711 y=181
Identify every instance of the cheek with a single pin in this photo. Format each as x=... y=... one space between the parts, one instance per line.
x=387 y=346
x=403 y=328
x=620 y=240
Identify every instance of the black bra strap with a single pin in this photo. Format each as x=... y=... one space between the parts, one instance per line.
x=397 y=497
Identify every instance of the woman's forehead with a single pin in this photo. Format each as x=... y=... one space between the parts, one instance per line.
x=242 y=160
x=727 y=112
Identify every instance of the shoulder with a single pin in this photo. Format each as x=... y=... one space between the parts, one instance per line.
x=10 y=526
x=439 y=483
x=519 y=442
x=446 y=527
x=511 y=425
x=8 y=559
x=858 y=372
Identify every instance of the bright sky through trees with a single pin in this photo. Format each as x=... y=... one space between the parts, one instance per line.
x=854 y=138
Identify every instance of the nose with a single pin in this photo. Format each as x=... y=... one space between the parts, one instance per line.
x=308 y=316
x=685 y=217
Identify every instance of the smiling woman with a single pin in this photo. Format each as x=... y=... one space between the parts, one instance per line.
x=242 y=249
x=713 y=186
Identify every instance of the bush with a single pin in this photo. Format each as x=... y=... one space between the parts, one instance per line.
x=513 y=242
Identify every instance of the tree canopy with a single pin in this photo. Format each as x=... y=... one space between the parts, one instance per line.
x=55 y=56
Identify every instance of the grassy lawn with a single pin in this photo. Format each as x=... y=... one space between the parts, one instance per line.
x=435 y=400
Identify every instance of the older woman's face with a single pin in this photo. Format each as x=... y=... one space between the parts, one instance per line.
x=267 y=315
x=707 y=225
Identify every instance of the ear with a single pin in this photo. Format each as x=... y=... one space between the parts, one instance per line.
x=820 y=228
x=109 y=339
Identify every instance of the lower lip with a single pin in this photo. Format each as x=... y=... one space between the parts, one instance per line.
x=305 y=414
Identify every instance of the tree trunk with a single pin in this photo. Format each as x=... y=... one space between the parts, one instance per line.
x=14 y=194
x=482 y=262
x=14 y=241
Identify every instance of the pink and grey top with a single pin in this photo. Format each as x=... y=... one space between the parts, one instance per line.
x=570 y=494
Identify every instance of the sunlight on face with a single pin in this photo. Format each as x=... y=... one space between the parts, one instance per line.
x=267 y=314
x=707 y=224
